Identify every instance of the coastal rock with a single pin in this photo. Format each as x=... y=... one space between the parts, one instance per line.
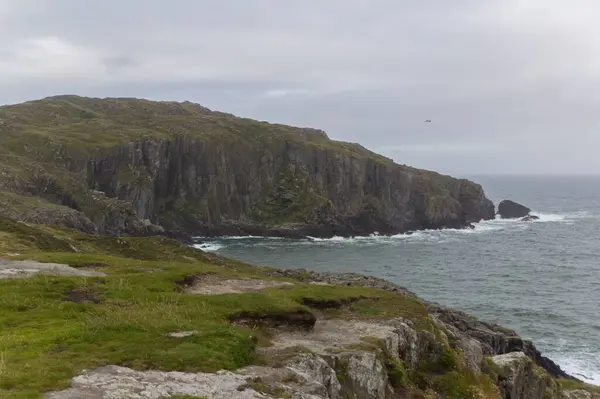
x=362 y=375
x=530 y=218
x=508 y=209
x=520 y=378
x=474 y=337
x=493 y=339
x=580 y=394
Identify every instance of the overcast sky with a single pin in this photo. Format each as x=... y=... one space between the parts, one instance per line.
x=511 y=86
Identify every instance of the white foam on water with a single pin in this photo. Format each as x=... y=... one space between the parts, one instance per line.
x=580 y=368
x=209 y=247
x=421 y=236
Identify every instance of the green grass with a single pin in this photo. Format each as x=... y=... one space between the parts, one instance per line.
x=573 y=384
x=47 y=339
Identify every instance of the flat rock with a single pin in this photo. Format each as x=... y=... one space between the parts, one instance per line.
x=183 y=334
x=114 y=382
x=232 y=286
x=27 y=268
x=331 y=335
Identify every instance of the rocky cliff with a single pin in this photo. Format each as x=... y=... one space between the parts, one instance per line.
x=132 y=166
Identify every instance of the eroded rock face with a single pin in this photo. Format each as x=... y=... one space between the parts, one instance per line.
x=493 y=339
x=238 y=189
x=519 y=378
x=508 y=209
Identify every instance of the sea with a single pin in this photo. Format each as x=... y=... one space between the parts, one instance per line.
x=540 y=278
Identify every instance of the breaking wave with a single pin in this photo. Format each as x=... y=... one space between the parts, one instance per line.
x=421 y=236
x=209 y=247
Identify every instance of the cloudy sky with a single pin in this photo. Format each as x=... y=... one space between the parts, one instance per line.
x=511 y=86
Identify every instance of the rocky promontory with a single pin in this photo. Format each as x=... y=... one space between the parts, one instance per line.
x=127 y=166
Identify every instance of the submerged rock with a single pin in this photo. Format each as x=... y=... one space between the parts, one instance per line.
x=508 y=209
x=530 y=218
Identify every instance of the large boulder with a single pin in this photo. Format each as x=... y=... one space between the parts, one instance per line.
x=512 y=210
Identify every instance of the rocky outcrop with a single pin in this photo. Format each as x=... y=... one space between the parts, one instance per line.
x=508 y=209
x=473 y=337
x=336 y=361
x=519 y=378
x=131 y=167
x=493 y=339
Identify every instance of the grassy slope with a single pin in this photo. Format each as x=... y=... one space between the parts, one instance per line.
x=46 y=340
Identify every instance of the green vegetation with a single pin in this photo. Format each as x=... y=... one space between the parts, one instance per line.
x=260 y=386
x=53 y=327
x=574 y=384
x=465 y=385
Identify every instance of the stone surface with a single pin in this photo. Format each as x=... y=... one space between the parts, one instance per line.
x=183 y=334
x=214 y=286
x=27 y=268
x=521 y=379
x=113 y=382
x=508 y=209
x=580 y=394
x=493 y=339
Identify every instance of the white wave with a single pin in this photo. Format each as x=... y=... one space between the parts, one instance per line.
x=421 y=236
x=209 y=246
x=586 y=370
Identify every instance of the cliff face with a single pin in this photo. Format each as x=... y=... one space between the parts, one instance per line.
x=194 y=171
x=207 y=186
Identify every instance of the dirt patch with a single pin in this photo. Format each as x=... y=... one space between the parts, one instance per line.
x=323 y=304
x=82 y=295
x=27 y=268
x=298 y=319
x=212 y=284
x=188 y=281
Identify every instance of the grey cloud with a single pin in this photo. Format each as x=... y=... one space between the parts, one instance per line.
x=508 y=84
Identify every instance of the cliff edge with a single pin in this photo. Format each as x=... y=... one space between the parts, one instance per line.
x=129 y=166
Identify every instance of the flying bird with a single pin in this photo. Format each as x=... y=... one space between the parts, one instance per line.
x=427 y=121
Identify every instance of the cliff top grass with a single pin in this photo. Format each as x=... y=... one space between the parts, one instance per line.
x=54 y=327
x=88 y=124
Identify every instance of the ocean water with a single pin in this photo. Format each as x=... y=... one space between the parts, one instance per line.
x=540 y=278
